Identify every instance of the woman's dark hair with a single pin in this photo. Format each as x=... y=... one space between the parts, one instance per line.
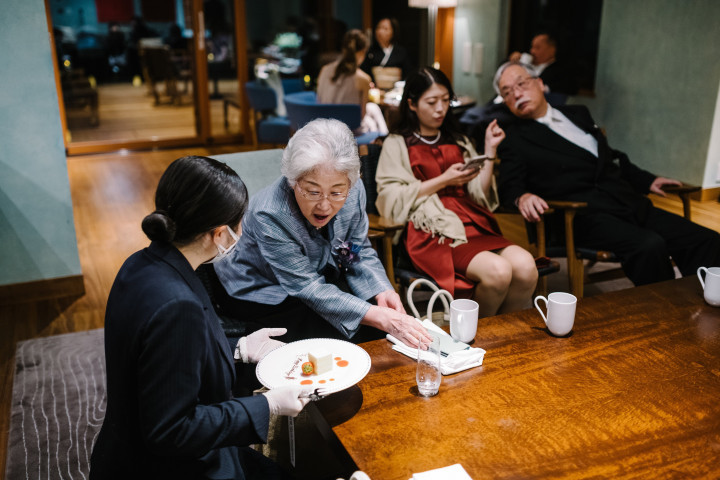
x=195 y=195
x=416 y=84
x=354 y=41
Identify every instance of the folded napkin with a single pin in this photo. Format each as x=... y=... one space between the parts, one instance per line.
x=454 y=362
x=453 y=472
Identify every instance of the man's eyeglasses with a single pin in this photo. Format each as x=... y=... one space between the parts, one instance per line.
x=314 y=196
x=523 y=85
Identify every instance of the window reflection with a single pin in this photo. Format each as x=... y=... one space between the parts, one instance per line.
x=124 y=76
x=298 y=37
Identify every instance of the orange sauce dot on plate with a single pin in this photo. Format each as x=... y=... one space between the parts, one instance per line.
x=321 y=381
x=343 y=363
x=338 y=358
x=332 y=379
x=306 y=382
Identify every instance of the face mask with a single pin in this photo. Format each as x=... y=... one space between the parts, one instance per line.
x=222 y=251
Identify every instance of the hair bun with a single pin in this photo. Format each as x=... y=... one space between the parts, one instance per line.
x=159 y=227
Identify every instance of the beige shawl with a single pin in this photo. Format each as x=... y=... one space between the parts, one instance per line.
x=398 y=194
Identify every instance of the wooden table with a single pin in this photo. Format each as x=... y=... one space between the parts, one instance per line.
x=632 y=392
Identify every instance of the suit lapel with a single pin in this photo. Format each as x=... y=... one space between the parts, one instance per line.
x=546 y=138
x=594 y=130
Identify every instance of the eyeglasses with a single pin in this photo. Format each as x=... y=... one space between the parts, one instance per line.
x=523 y=85
x=314 y=196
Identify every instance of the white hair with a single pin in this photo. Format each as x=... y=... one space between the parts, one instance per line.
x=496 y=79
x=323 y=141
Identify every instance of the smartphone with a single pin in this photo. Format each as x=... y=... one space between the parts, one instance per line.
x=448 y=344
x=474 y=162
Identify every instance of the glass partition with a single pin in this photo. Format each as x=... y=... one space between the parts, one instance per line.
x=126 y=69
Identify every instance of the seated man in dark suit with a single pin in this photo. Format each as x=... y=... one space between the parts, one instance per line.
x=557 y=75
x=560 y=154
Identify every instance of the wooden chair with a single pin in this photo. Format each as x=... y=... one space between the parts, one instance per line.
x=158 y=67
x=576 y=254
x=268 y=127
x=79 y=95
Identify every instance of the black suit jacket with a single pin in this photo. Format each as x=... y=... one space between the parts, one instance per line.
x=398 y=58
x=170 y=413
x=535 y=159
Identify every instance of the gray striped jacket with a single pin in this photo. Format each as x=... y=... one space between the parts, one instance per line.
x=281 y=254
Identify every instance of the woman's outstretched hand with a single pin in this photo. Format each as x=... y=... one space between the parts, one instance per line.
x=390 y=299
x=403 y=327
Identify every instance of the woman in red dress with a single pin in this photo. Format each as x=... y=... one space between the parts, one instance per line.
x=452 y=235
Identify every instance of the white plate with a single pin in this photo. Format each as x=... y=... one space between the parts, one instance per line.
x=282 y=366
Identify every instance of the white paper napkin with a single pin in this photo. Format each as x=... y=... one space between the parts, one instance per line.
x=453 y=472
x=454 y=362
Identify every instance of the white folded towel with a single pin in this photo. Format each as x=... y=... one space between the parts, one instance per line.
x=453 y=472
x=454 y=362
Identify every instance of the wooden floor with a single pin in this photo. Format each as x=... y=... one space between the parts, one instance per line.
x=111 y=194
x=128 y=113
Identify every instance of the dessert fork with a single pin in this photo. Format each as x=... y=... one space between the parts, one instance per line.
x=318 y=394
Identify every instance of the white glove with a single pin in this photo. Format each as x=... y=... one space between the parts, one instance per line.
x=286 y=401
x=258 y=344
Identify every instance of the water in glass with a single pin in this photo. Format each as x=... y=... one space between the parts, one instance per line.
x=428 y=373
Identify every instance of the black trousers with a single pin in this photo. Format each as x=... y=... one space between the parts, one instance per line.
x=644 y=249
x=300 y=320
x=256 y=466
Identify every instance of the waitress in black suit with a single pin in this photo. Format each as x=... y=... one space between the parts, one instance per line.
x=385 y=52
x=170 y=370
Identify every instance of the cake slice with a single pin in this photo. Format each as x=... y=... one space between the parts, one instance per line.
x=321 y=360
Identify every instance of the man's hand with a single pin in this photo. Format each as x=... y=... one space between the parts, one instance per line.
x=532 y=207
x=514 y=57
x=657 y=185
x=494 y=135
x=390 y=299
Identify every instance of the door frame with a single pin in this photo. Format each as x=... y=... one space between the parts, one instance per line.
x=201 y=102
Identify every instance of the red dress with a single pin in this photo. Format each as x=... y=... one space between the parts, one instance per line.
x=447 y=265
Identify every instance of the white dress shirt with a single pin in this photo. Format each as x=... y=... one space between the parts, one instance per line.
x=387 y=51
x=560 y=124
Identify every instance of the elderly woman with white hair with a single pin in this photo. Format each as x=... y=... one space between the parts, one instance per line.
x=304 y=260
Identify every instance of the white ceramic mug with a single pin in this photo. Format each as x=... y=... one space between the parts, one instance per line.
x=560 y=312
x=463 y=320
x=526 y=58
x=711 y=285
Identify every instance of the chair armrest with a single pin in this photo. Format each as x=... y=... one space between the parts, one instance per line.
x=565 y=205
x=380 y=223
x=384 y=230
x=683 y=191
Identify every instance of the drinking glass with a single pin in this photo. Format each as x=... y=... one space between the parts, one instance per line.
x=428 y=374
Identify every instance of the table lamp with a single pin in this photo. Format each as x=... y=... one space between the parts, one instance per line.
x=432 y=6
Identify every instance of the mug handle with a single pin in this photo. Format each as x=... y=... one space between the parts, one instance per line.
x=540 y=297
x=702 y=282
